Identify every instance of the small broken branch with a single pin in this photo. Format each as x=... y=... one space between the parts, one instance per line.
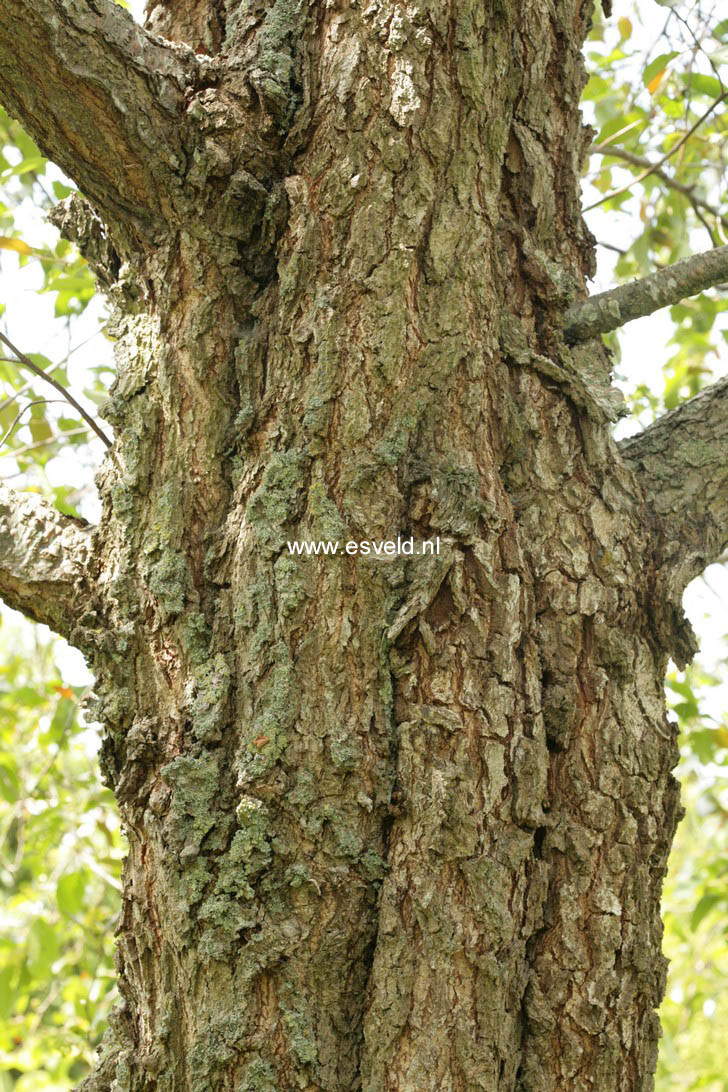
x=44 y=561
x=682 y=464
x=608 y=310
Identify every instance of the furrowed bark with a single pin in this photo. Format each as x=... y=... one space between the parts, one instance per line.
x=200 y=23
x=147 y=128
x=609 y=310
x=366 y=803
x=44 y=562
x=682 y=464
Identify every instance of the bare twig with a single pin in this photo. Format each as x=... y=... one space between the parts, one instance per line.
x=54 y=367
x=23 y=358
x=655 y=166
x=714 y=238
x=698 y=43
x=652 y=168
x=611 y=246
x=615 y=136
x=45 y=443
x=19 y=414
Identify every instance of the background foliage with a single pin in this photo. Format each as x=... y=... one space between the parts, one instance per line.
x=35 y=423
x=60 y=853
x=60 y=841
x=655 y=190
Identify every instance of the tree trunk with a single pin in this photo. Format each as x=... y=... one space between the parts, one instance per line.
x=394 y=823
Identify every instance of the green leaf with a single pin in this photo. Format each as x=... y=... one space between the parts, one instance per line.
x=704 y=85
x=703 y=908
x=43 y=948
x=63 y=719
x=703 y=744
x=62 y=191
x=70 y=892
x=40 y=429
x=654 y=68
x=7 y=991
x=34 y=164
x=622 y=128
x=9 y=781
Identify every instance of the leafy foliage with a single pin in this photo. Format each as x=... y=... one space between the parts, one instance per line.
x=35 y=425
x=60 y=854
x=60 y=842
x=656 y=182
x=657 y=173
x=695 y=1011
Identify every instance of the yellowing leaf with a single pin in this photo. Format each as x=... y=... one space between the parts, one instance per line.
x=656 y=81
x=17 y=245
x=654 y=74
x=625 y=27
x=722 y=737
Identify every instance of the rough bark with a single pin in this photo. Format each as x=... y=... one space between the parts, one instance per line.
x=103 y=99
x=393 y=825
x=201 y=23
x=682 y=464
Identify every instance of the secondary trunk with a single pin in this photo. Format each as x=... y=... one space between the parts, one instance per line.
x=394 y=823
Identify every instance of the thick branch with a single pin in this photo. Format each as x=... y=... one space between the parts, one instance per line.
x=102 y=98
x=682 y=463
x=608 y=310
x=44 y=561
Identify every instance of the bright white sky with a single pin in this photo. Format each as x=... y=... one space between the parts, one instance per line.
x=29 y=324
